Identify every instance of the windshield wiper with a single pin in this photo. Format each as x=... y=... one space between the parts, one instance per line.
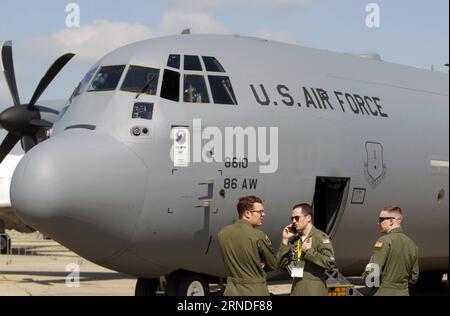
x=224 y=84
x=147 y=84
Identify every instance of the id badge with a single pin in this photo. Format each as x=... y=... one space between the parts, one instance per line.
x=296 y=271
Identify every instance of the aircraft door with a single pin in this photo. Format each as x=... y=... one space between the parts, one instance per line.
x=195 y=193
x=330 y=199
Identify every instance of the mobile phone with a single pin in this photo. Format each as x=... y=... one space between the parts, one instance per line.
x=292 y=229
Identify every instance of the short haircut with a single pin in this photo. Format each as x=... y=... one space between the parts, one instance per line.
x=306 y=209
x=394 y=209
x=246 y=204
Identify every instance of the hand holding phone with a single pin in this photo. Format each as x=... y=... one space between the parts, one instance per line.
x=287 y=234
x=292 y=229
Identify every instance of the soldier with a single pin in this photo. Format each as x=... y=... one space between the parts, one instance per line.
x=395 y=257
x=246 y=251
x=308 y=256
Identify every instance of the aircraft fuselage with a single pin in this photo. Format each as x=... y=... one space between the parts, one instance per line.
x=377 y=131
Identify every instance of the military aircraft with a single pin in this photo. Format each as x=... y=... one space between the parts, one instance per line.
x=8 y=217
x=146 y=162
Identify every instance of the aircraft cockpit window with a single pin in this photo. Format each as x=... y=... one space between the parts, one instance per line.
x=174 y=61
x=170 y=89
x=222 y=90
x=141 y=80
x=83 y=84
x=192 y=63
x=107 y=78
x=195 y=89
x=212 y=64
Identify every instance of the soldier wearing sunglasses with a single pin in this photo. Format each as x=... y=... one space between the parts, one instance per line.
x=308 y=255
x=395 y=259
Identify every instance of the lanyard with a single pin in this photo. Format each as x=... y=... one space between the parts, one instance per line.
x=299 y=249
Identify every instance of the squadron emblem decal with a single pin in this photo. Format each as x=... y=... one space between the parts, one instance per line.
x=180 y=137
x=374 y=167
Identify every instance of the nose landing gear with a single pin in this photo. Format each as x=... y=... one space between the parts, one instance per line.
x=183 y=283
x=146 y=287
x=179 y=283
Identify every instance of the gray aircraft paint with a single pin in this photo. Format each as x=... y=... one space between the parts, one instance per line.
x=117 y=200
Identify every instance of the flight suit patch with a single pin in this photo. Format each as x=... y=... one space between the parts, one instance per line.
x=325 y=241
x=379 y=244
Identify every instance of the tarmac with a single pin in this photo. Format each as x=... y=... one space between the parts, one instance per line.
x=38 y=267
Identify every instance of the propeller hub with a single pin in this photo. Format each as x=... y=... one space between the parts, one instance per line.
x=16 y=120
x=23 y=121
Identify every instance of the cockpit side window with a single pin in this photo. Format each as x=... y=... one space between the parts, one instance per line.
x=192 y=63
x=85 y=82
x=222 y=90
x=141 y=80
x=170 y=89
x=195 y=89
x=107 y=78
x=212 y=64
x=174 y=61
x=194 y=72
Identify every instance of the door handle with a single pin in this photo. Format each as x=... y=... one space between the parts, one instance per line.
x=205 y=204
x=210 y=184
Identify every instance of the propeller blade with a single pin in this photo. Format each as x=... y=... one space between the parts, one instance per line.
x=8 y=70
x=52 y=72
x=41 y=123
x=8 y=144
x=28 y=142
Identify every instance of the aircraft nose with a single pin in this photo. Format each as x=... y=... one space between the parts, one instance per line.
x=84 y=190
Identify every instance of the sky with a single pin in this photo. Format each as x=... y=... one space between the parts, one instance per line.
x=409 y=32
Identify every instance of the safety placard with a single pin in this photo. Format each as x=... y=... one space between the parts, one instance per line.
x=181 y=146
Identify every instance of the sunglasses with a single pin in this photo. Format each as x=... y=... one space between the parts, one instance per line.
x=297 y=218
x=382 y=219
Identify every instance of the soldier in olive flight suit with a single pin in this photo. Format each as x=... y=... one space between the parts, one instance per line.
x=308 y=258
x=395 y=257
x=246 y=251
